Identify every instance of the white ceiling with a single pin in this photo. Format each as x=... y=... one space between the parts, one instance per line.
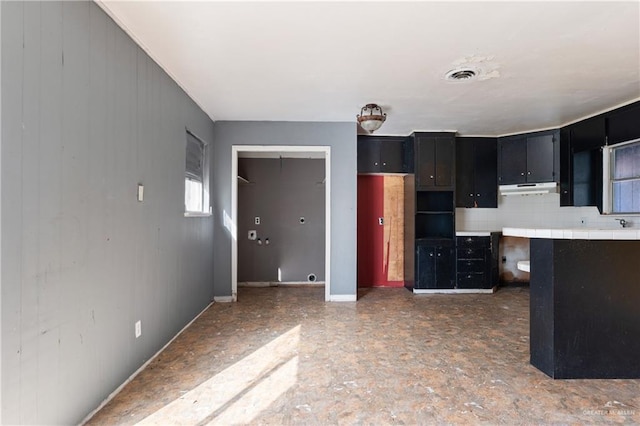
x=548 y=63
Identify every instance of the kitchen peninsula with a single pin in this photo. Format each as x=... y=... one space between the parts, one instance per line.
x=585 y=302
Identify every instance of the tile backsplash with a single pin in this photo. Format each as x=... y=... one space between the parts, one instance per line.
x=536 y=211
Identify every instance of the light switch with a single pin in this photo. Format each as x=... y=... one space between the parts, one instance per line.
x=257 y=220
x=140 y=192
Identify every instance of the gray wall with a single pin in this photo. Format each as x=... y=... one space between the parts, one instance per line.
x=341 y=137
x=280 y=192
x=86 y=116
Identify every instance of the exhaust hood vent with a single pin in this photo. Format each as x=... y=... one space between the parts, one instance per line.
x=529 y=189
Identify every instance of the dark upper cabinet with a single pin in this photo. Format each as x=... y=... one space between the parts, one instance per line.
x=540 y=158
x=527 y=158
x=381 y=154
x=512 y=152
x=434 y=160
x=588 y=134
x=476 y=172
x=581 y=162
x=623 y=124
x=581 y=145
x=566 y=192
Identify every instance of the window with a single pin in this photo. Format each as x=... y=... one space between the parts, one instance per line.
x=196 y=188
x=623 y=188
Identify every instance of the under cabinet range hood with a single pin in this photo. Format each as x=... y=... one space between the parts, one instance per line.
x=529 y=188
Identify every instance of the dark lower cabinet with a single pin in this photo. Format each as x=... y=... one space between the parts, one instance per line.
x=434 y=265
x=477 y=261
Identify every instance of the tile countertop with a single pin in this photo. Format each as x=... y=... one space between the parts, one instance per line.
x=474 y=233
x=574 y=234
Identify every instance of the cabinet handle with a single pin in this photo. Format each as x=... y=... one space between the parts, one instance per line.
x=477 y=195
x=439 y=254
x=528 y=173
x=375 y=164
x=430 y=177
x=430 y=254
x=470 y=195
x=384 y=164
x=522 y=174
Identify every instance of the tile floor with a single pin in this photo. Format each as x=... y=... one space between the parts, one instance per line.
x=283 y=356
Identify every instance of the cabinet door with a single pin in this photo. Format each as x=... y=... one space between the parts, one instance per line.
x=465 y=192
x=565 y=172
x=486 y=173
x=425 y=267
x=445 y=160
x=587 y=137
x=540 y=151
x=624 y=124
x=588 y=134
x=444 y=267
x=425 y=161
x=368 y=155
x=513 y=161
x=391 y=152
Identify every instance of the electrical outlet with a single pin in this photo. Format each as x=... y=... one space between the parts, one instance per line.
x=138 y=328
x=256 y=220
x=252 y=235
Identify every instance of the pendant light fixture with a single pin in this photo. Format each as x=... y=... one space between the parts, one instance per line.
x=371 y=117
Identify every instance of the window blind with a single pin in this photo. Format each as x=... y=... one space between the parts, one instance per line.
x=195 y=158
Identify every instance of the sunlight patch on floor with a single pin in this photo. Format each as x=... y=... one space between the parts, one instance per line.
x=239 y=393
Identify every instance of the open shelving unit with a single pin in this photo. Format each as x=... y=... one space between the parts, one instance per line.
x=435 y=215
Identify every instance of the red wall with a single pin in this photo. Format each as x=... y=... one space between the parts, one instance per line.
x=372 y=265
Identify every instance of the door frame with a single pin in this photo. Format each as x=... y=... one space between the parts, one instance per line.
x=297 y=151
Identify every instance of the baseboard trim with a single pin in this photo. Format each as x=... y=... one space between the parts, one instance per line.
x=301 y=283
x=454 y=290
x=223 y=299
x=142 y=367
x=343 y=298
x=261 y=284
x=257 y=284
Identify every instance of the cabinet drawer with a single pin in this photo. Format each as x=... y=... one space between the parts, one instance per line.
x=472 y=280
x=471 y=253
x=466 y=242
x=471 y=265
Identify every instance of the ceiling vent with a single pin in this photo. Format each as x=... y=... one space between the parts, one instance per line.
x=461 y=74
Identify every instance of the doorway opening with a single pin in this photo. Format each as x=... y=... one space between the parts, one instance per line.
x=278 y=153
